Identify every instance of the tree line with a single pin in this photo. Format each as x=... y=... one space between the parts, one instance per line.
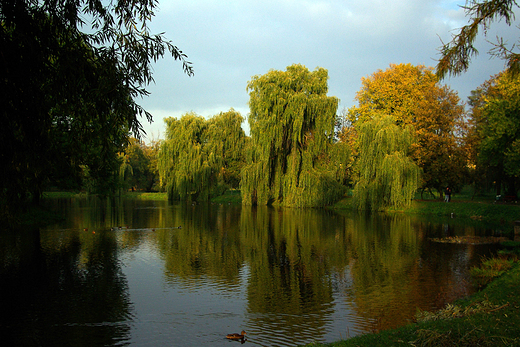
x=71 y=72
x=408 y=132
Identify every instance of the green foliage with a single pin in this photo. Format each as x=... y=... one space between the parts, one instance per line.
x=456 y=54
x=138 y=170
x=182 y=167
x=152 y=153
x=225 y=142
x=511 y=244
x=500 y=132
x=201 y=158
x=290 y=159
x=229 y=197
x=387 y=176
x=126 y=172
x=489 y=270
x=496 y=130
x=68 y=95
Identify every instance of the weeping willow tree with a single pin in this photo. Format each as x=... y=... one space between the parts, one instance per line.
x=387 y=176
x=292 y=126
x=196 y=157
x=226 y=142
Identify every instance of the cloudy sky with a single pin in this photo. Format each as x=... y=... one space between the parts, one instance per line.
x=228 y=42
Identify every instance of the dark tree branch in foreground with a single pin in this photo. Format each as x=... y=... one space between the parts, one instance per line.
x=70 y=72
x=456 y=54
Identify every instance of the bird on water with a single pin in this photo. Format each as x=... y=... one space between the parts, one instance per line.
x=236 y=336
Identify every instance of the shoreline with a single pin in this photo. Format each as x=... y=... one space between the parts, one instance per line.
x=490 y=317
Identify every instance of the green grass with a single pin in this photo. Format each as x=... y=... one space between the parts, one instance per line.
x=467 y=209
x=490 y=269
x=145 y=196
x=127 y=195
x=491 y=317
x=467 y=193
x=476 y=210
x=464 y=204
x=231 y=196
x=55 y=195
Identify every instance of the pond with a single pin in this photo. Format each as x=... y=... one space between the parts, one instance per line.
x=150 y=273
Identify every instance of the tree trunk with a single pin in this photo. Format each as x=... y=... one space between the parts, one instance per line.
x=498 y=186
x=511 y=187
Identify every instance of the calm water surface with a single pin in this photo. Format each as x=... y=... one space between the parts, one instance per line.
x=120 y=273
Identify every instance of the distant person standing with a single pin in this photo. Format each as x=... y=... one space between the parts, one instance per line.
x=447 y=195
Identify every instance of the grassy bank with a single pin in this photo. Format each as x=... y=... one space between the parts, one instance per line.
x=476 y=210
x=127 y=195
x=146 y=196
x=489 y=318
x=467 y=209
x=231 y=196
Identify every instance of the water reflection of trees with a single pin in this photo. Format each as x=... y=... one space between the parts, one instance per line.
x=297 y=262
x=385 y=251
x=97 y=214
x=297 y=258
x=397 y=270
x=65 y=286
x=207 y=245
x=291 y=253
x=288 y=253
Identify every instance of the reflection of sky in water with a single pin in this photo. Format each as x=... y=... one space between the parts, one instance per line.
x=188 y=312
x=169 y=310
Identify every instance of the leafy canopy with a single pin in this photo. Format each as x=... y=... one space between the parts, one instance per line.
x=387 y=176
x=138 y=169
x=200 y=158
x=496 y=120
x=395 y=91
x=411 y=95
x=70 y=72
x=292 y=127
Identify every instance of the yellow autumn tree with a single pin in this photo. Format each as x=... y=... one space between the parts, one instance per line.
x=412 y=95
